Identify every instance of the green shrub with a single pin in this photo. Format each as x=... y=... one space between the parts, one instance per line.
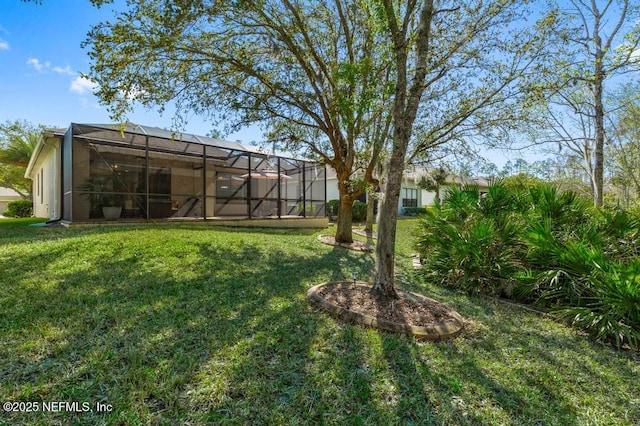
x=359 y=212
x=521 y=182
x=612 y=312
x=413 y=211
x=332 y=207
x=459 y=203
x=466 y=248
x=540 y=245
x=621 y=229
x=565 y=209
x=19 y=208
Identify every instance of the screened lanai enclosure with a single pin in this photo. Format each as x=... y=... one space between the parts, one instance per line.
x=151 y=173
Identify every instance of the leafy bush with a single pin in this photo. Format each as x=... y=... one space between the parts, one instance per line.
x=540 y=245
x=466 y=248
x=413 y=211
x=19 y=208
x=332 y=207
x=565 y=209
x=359 y=212
x=612 y=311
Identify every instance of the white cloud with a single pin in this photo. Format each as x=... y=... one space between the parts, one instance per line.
x=66 y=70
x=81 y=85
x=37 y=65
x=4 y=45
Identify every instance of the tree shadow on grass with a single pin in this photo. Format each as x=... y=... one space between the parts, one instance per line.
x=521 y=366
x=212 y=331
x=439 y=384
x=227 y=334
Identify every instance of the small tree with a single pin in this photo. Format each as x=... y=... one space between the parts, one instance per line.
x=603 y=40
x=624 y=143
x=433 y=182
x=455 y=64
x=18 y=139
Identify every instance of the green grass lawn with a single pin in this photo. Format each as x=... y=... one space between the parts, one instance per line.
x=174 y=324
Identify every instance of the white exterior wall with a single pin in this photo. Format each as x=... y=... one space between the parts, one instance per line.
x=425 y=198
x=332 y=188
x=46 y=179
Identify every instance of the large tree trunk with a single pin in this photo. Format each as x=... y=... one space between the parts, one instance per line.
x=345 y=220
x=384 y=286
x=404 y=114
x=598 y=197
x=598 y=173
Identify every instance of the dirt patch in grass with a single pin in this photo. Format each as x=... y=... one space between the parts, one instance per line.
x=411 y=313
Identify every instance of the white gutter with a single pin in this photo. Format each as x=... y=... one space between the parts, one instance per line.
x=42 y=142
x=36 y=153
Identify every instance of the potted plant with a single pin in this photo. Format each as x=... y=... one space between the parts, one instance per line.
x=100 y=191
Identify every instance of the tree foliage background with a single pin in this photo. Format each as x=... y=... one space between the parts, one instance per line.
x=17 y=141
x=315 y=76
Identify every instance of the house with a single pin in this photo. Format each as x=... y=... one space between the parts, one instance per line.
x=411 y=195
x=6 y=196
x=148 y=173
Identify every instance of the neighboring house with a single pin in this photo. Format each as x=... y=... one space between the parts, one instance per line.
x=7 y=195
x=483 y=184
x=411 y=195
x=151 y=173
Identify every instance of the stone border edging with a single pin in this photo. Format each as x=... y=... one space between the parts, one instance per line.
x=445 y=330
x=356 y=245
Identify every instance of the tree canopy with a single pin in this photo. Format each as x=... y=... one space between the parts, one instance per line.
x=314 y=75
x=319 y=76
x=17 y=141
x=460 y=67
x=601 y=43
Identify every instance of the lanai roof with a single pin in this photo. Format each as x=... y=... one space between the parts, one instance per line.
x=166 y=134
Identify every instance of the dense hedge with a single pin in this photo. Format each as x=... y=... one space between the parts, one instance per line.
x=358 y=214
x=413 y=211
x=19 y=208
x=539 y=245
x=332 y=207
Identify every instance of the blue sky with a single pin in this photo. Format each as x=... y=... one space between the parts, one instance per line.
x=41 y=61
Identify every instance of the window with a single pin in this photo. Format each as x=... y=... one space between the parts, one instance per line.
x=409 y=197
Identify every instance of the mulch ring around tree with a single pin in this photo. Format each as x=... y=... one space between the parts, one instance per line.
x=412 y=314
x=355 y=245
